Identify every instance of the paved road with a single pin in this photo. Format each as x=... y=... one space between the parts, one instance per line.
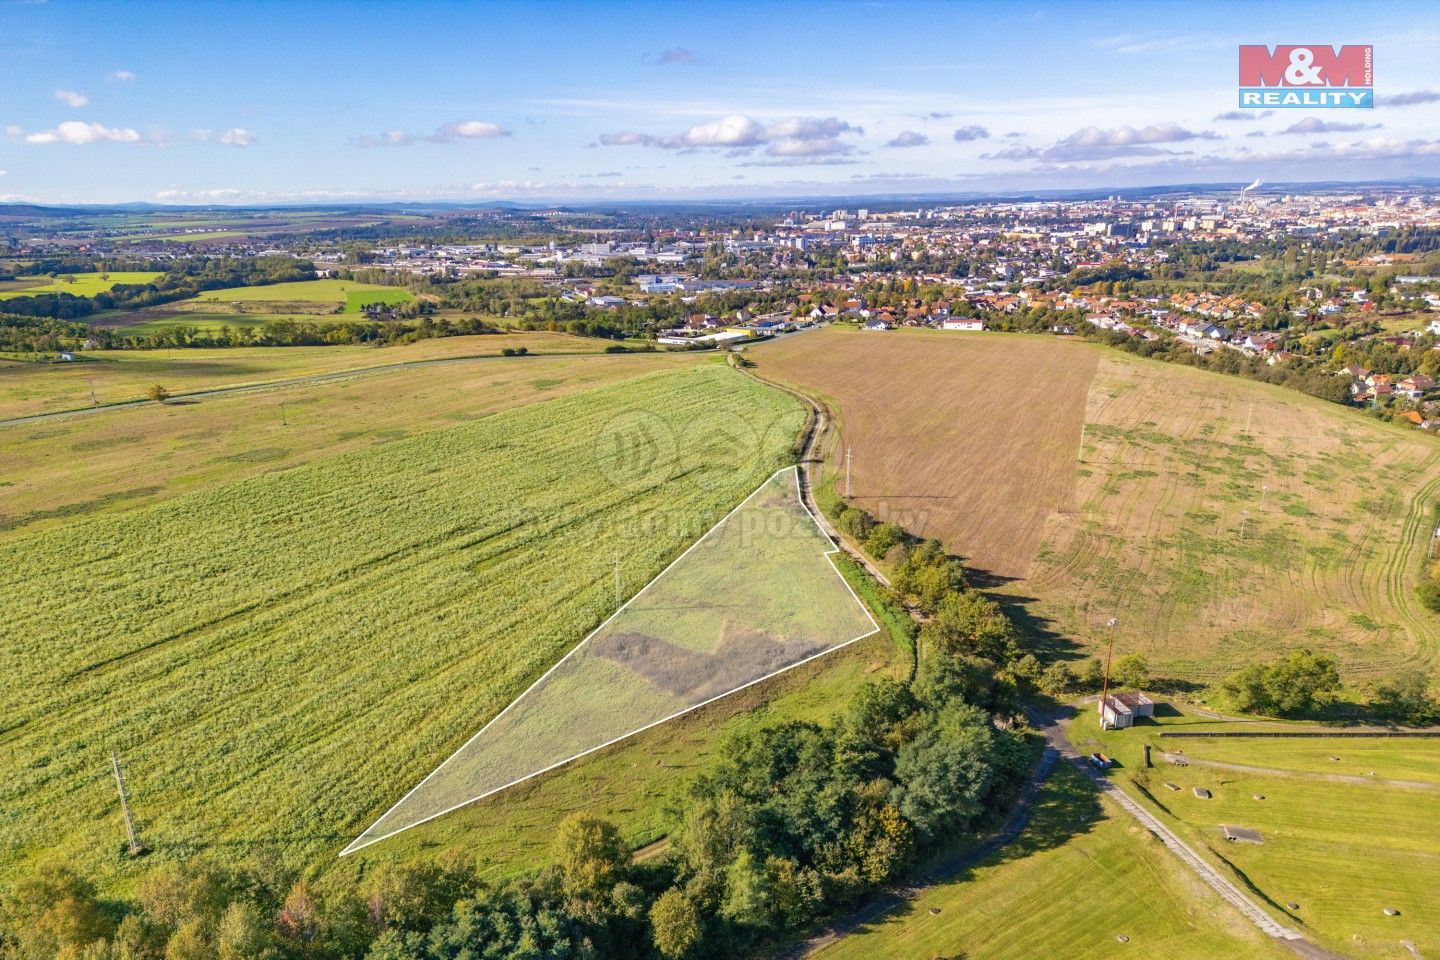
x=291 y=382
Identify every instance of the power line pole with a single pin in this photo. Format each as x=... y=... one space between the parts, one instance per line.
x=1105 y=688
x=1080 y=454
x=284 y=421
x=848 y=451
x=136 y=848
x=617 y=580
x=93 y=401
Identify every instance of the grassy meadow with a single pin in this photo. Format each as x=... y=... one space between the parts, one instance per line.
x=78 y=284
x=309 y=301
x=55 y=471
x=347 y=294
x=1221 y=521
x=118 y=376
x=275 y=657
x=1081 y=875
x=1348 y=825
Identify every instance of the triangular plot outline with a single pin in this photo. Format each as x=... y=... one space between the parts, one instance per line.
x=355 y=845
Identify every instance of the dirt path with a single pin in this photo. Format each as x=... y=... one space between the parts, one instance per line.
x=817 y=423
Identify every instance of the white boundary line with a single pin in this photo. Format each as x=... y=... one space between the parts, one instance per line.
x=828 y=555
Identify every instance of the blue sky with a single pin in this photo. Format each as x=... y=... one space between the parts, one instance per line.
x=287 y=102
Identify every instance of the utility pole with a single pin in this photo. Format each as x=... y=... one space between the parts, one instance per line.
x=617 y=580
x=1105 y=688
x=136 y=848
x=848 y=451
x=284 y=421
x=1080 y=454
x=93 y=401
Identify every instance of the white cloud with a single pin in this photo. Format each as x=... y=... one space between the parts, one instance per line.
x=72 y=99
x=454 y=132
x=234 y=137
x=77 y=132
x=908 y=138
x=122 y=75
x=467 y=130
x=731 y=131
x=237 y=137
x=1316 y=125
x=1410 y=99
x=1096 y=143
x=790 y=137
x=1015 y=151
x=972 y=132
x=793 y=147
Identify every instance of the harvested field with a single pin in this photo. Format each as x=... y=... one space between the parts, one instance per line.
x=1219 y=520
x=967 y=437
x=1222 y=520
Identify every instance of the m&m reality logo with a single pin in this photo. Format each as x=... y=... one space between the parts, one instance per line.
x=1308 y=76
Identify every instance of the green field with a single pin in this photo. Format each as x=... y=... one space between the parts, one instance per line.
x=211 y=322
x=1342 y=841
x=1082 y=874
x=57 y=470
x=79 y=284
x=349 y=293
x=116 y=376
x=272 y=657
x=640 y=782
x=698 y=632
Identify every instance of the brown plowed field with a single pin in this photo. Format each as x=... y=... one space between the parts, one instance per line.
x=963 y=436
x=1220 y=520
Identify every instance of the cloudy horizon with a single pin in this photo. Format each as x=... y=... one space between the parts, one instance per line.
x=264 y=103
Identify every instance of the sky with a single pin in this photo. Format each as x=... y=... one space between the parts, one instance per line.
x=271 y=102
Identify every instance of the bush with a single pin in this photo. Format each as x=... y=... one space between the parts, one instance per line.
x=1290 y=687
x=855 y=523
x=882 y=539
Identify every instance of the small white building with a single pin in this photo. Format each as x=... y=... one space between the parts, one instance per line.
x=1119 y=710
x=963 y=323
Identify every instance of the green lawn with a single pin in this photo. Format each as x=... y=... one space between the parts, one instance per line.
x=81 y=284
x=1080 y=876
x=1341 y=851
